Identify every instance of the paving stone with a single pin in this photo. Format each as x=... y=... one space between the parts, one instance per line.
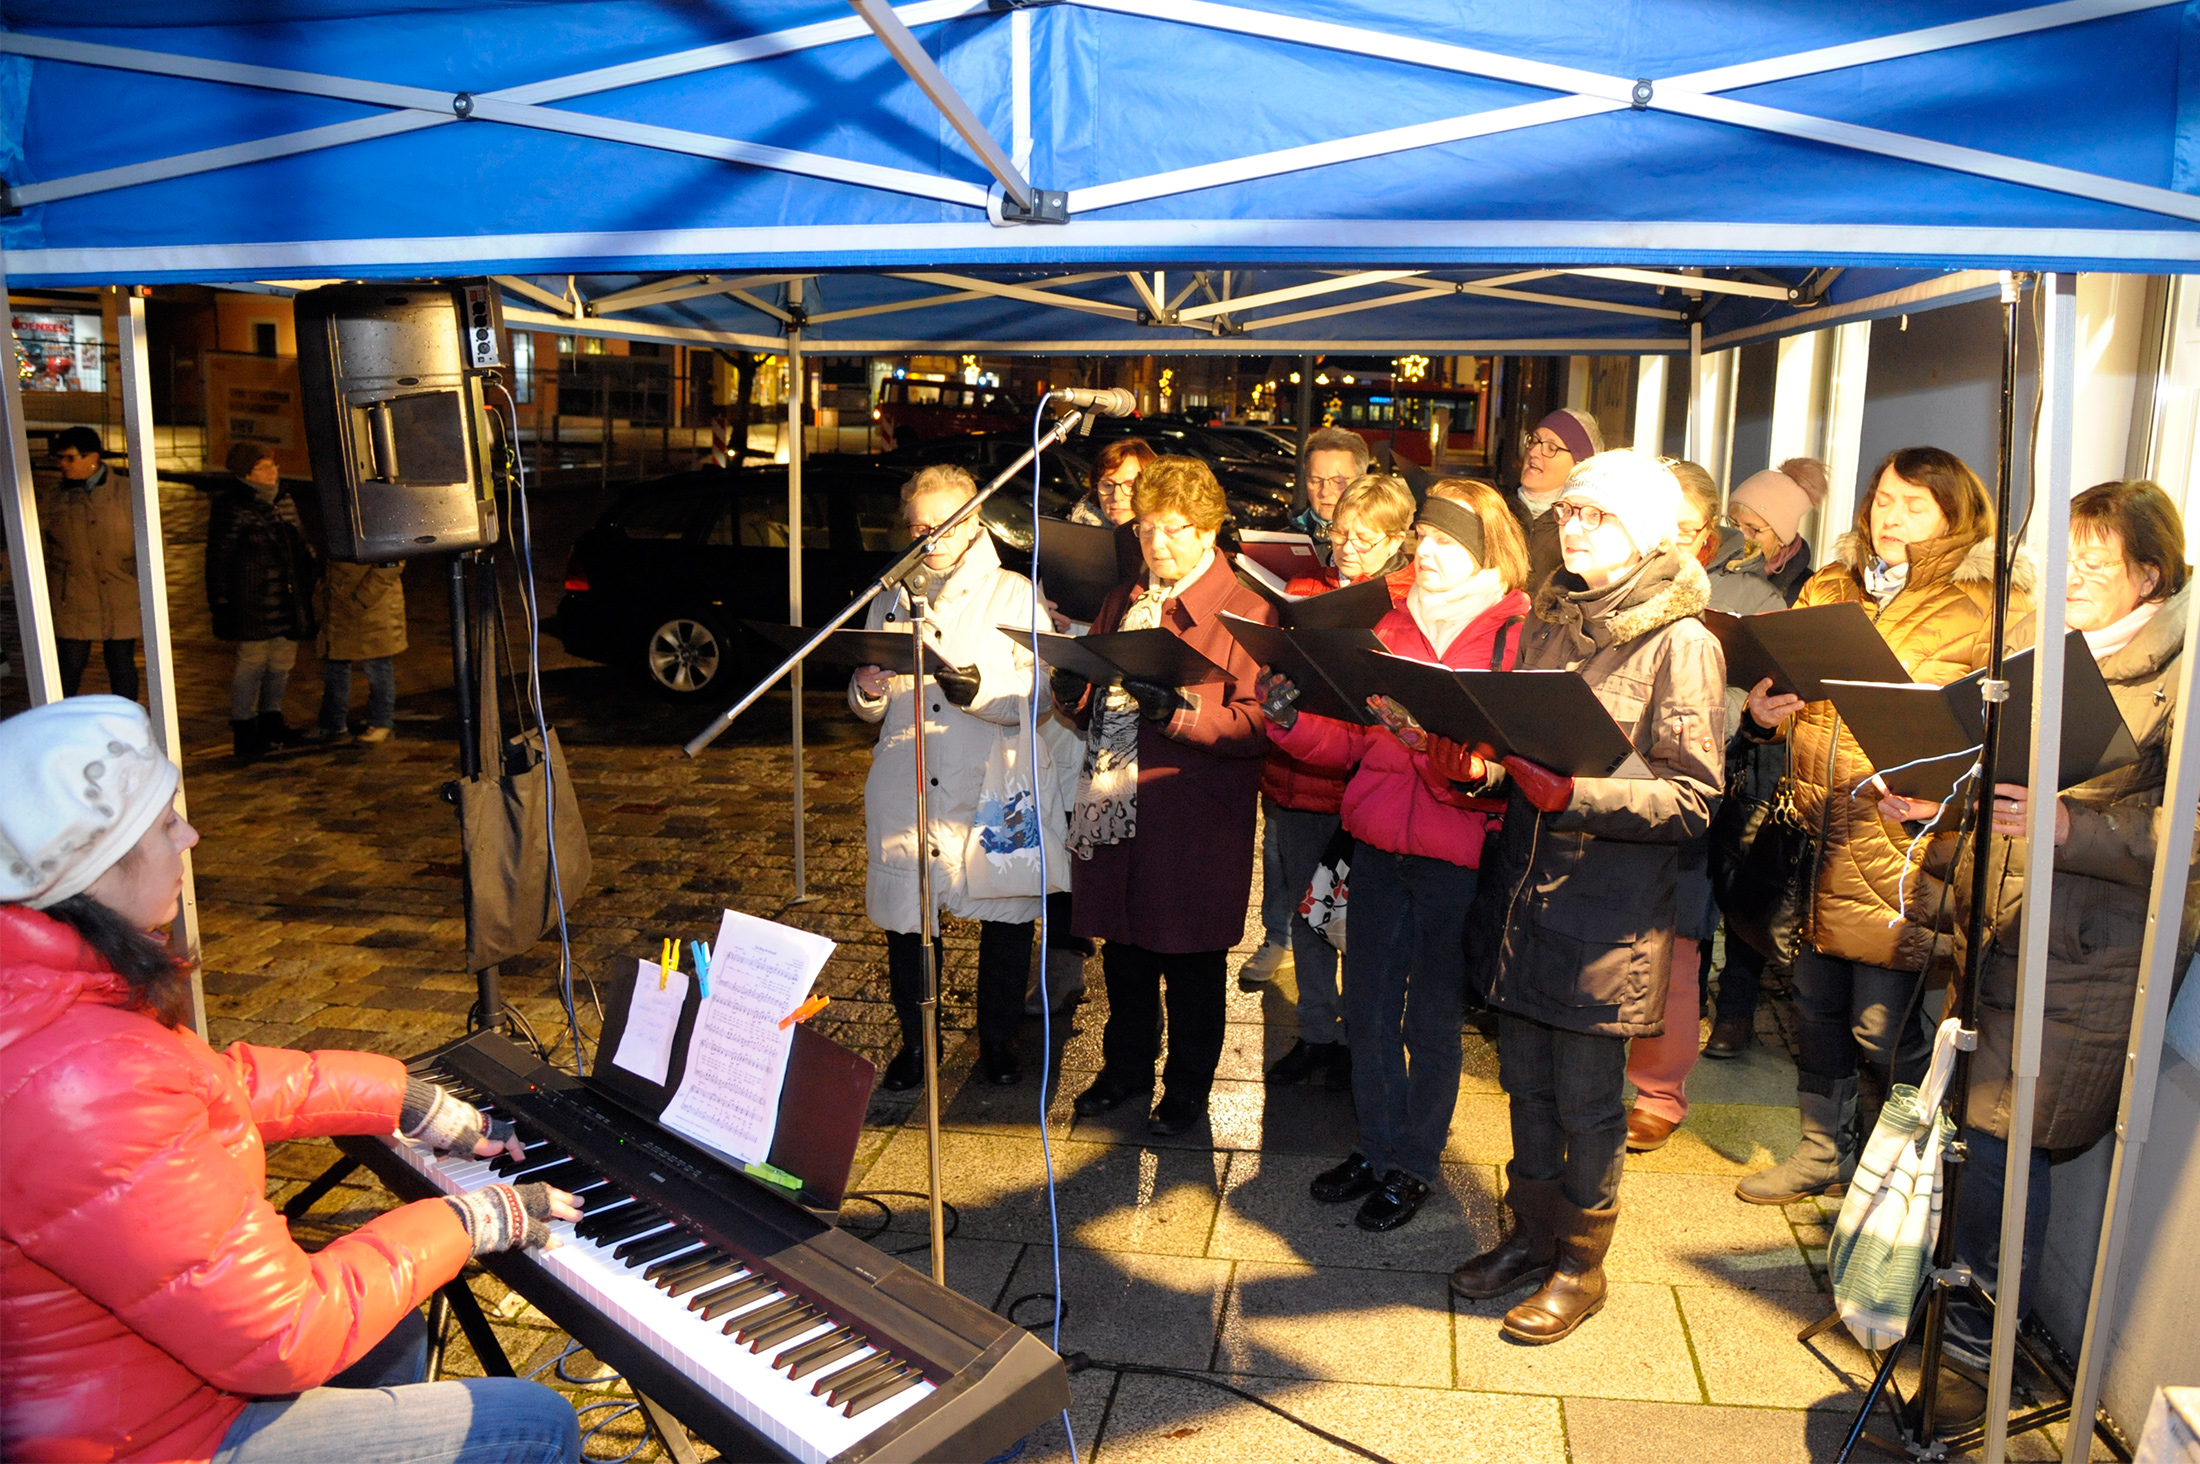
x=1745 y=1341
x=1330 y=1322
x=1689 y=1229
x=1267 y=1215
x=1731 y=1139
x=1124 y=1306
x=1610 y=1431
x=1176 y=1421
x=1633 y=1348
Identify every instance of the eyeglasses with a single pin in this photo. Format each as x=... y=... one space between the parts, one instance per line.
x=1339 y=483
x=1359 y=543
x=1548 y=446
x=2098 y=566
x=1145 y=530
x=1592 y=518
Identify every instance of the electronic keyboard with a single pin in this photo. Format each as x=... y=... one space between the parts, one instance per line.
x=763 y=1329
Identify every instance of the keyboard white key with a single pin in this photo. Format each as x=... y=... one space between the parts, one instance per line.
x=784 y=1411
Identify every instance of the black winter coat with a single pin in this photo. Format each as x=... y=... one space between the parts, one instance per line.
x=259 y=568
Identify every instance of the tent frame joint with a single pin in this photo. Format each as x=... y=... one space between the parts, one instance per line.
x=1048 y=206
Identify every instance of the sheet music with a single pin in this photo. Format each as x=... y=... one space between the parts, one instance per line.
x=653 y=1017
x=737 y=1057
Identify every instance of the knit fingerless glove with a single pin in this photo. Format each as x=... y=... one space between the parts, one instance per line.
x=431 y=1116
x=498 y=1217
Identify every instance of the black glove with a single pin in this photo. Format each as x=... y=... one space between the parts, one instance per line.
x=1279 y=702
x=959 y=682
x=500 y=1217
x=1155 y=703
x=1068 y=687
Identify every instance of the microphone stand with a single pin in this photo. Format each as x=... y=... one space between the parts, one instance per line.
x=928 y=918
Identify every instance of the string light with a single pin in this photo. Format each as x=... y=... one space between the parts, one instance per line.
x=1413 y=368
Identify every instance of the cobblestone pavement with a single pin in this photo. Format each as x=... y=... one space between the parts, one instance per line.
x=329 y=897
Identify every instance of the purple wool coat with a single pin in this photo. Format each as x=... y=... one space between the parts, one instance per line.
x=1183 y=882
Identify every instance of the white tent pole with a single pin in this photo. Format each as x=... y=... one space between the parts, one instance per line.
x=1692 y=438
x=2143 y=1058
x=2059 y=362
x=1650 y=405
x=152 y=578
x=1019 y=88
x=26 y=551
x=796 y=391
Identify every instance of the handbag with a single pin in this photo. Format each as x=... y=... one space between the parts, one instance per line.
x=1883 y=1243
x=1002 y=854
x=1328 y=892
x=1762 y=871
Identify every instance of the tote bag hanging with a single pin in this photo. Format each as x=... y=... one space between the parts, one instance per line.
x=1883 y=1242
x=1323 y=904
x=1002 y=853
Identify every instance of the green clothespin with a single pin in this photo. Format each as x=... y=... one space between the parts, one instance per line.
x=773 y=1175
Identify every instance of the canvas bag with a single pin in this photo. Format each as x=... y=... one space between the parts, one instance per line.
x=1001 y=857
x=1323 y=904
x=510 y=900
x=1883 y=1243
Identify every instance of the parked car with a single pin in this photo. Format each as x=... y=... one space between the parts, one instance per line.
x=911 y=412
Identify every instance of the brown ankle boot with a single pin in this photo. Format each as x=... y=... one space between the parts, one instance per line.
x=1526 y=1253
x=1575 y=1290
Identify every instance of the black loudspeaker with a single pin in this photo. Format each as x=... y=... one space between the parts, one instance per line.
x=397 y=423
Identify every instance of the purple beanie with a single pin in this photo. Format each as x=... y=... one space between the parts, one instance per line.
x=1578 y=430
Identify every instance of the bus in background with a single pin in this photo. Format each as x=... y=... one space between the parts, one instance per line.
x=1406 y=406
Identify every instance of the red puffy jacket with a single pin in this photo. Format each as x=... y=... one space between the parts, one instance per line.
x=147 y=1288
x=1395 y=800
x=1311 y=785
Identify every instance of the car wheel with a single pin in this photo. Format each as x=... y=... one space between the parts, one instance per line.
x=685 y=656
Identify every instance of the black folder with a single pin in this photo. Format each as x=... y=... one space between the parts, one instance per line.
x=1923 y=739
x=1548 y=717
x=1802 y=649
x=1326 y=665
x=821 y=1102
x=1078 y=564
x=1354 y=607
x=890 y=650
x=1122 y=655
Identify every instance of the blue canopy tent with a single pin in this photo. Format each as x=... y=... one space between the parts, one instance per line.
x=1158 y=176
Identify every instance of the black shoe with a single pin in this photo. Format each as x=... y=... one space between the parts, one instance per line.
x=1347 y=1181
x=1001 y=1066
x=277 y=731
x=1174 y=1115
x=906 y=1071
x=1336 y=1073
x=1297 y=1065
x=247 y=740
x=1730 y=1037
x=1392 y=1205
x=1107 y=1092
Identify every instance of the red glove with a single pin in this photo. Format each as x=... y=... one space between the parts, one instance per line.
x=1455 y=760
x=1545 y=790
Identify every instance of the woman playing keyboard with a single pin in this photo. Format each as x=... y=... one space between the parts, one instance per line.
x=152 y=1303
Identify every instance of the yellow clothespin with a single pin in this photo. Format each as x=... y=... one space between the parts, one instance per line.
x=664 y=963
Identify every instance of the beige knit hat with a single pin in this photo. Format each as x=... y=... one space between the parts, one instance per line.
x=80 y=783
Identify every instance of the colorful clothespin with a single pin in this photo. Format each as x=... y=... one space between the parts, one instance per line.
x=702 y=967
x=805 y=1011
x=772 y=1174
x=664 y=963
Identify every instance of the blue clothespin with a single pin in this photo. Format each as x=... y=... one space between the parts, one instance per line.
x=702 y=966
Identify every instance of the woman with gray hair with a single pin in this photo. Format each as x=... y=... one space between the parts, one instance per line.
x=976 y=701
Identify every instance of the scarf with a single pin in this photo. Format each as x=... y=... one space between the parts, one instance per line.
x=1538 y=504
x=2110 y=639
x=1774 y=563
x=1106 y=811
x=1442 y=616
x=1884 y=581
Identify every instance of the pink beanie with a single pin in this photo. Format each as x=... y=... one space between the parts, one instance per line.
x=1777 y=499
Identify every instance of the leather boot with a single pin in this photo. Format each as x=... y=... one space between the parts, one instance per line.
x=1574 y=1291
x=277 y=732
x=1526 y=1253
x=247 y=741
x=1822 y=1162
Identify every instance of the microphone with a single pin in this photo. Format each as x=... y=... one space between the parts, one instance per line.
x=1108 y=401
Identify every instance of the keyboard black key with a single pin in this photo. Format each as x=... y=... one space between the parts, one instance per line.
x=848 y=1377
x=605 y=1213
x=744 y=1326
x=625 y=1226
x=696 y=1280
x=872 y=1395
x=567 y=1176
x=793 y=1325
x=672 y=1265
x=823 y=1352
x=644 y=1249
x=715 y=1304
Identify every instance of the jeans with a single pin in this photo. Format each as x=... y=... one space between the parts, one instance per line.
x=1848 y=1013
x=1741 y=980
x=1970 y=1331
x=336 y=693
x=1300 y=839
x=121 y=659
x=1277 y=899
x=1195 y=999
x=1404 y=980
x=1569 y=1113
x=378 y=1411
x=261 y=677
x=1004 y=970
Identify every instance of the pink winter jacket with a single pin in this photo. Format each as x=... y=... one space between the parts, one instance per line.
x=1395 y=801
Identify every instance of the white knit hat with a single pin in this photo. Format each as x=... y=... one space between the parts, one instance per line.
x=80 y=783
x=1633 y=487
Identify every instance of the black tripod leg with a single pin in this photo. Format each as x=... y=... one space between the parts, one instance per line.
x=487 y=1350
x=1880 y=1380
x=298 y=1204
x=439 y=1322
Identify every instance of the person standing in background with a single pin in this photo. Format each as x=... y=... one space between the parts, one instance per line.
x=259 y=583
x=1561 y=442
x=91 y=565
x=1769 y=508
x=1115 y=471
x=1335 y=459
x=362 y=621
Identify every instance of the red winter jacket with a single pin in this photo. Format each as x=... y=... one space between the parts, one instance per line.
x=1395 y=800
x=147 y=1288
x=1313 y=786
